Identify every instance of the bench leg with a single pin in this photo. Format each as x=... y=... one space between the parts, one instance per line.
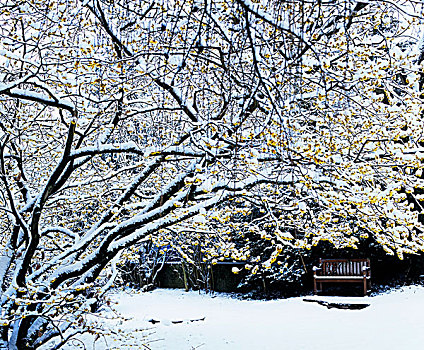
x=315 y=286
x=365 y=286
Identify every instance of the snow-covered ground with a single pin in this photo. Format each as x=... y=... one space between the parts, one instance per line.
x=392 y=321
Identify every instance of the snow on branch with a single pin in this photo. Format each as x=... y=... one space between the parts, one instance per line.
x=40 y=98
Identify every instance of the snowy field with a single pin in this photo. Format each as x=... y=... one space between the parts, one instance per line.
x=392 y=321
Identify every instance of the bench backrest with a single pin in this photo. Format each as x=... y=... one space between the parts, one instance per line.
x=343 y=267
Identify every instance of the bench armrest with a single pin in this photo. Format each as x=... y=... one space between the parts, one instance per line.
x=315 y=269
x=366 y=271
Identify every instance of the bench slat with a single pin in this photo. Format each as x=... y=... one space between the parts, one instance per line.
x=356 y=278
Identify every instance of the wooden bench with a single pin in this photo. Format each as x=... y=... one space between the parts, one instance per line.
x=343 y=270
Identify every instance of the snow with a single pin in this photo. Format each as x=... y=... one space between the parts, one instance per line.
x=32 y=95
x=393 y=320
